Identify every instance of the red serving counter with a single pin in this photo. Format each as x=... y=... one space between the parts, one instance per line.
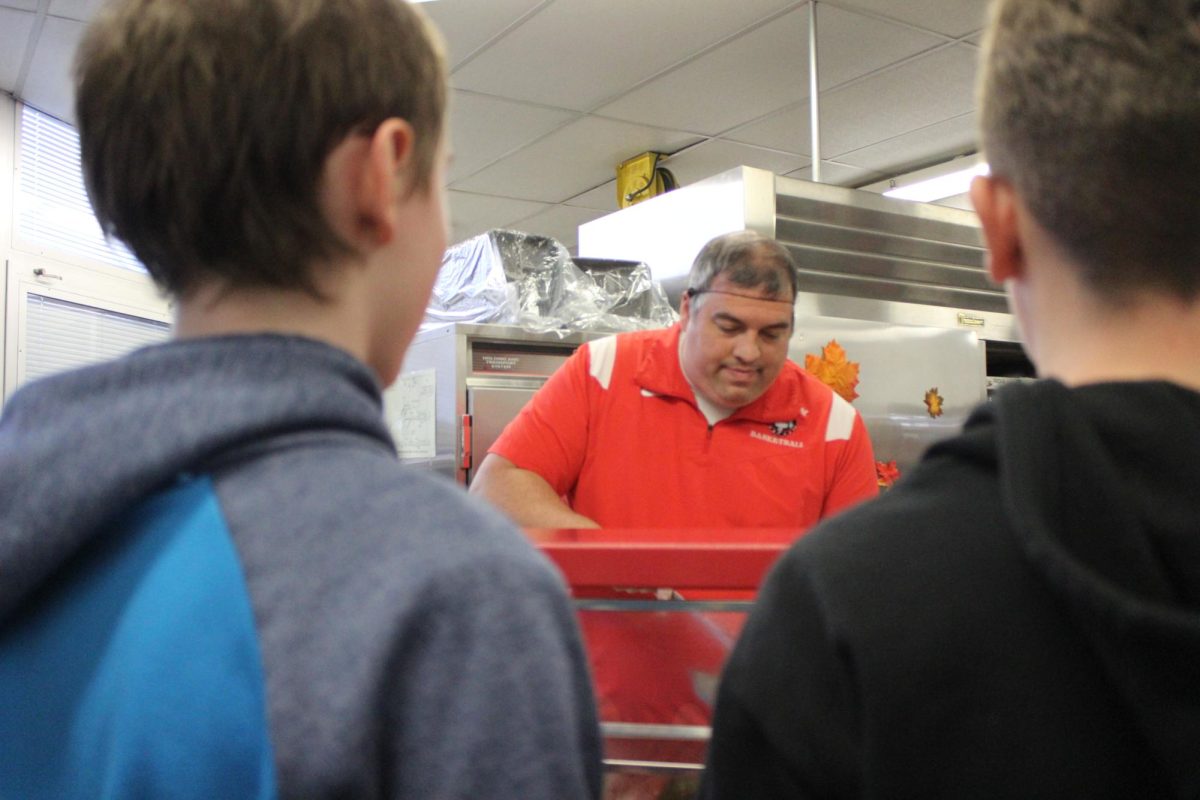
x=660 y=611
x=716 y=559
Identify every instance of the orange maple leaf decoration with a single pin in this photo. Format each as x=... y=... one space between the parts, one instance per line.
x=933 y=401
x=886 y=472
x=834 y=370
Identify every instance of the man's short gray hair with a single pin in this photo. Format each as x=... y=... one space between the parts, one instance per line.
x=747 y=259
x=1091 y=109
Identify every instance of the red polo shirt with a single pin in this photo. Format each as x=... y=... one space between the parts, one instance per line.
x=617 y=431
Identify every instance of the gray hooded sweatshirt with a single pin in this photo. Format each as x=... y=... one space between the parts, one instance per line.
x=216 y=580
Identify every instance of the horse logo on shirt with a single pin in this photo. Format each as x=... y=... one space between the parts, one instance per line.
x=783 y=428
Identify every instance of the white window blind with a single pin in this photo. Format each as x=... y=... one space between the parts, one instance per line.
x=52 y=206
x=62 y=335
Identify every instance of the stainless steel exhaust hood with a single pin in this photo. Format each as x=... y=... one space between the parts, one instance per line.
x=861 y=255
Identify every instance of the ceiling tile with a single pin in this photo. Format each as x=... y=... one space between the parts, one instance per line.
x=82 y=10
x=561 y=223
x=482 y=129
x=851 y=45
x=951 y=17
x=578 y=53
x=48 y=85
x=476 y=213
x=767 y=69
x=938 y=142
x=466 y=26
x=914 y=95
x=460 y=234
x=602 y=198
x=716 y=156
x=20 y=5
x=786 y=130
x=571 y=160
x=15 y=27
x=838 y=174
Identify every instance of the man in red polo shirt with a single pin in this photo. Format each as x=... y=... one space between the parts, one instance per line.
x=704 y=424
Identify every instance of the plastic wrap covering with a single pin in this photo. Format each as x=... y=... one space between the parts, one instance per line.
x=471 y=286
x=521 y=279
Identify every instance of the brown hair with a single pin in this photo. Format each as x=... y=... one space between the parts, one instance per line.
x=205 y=126
x=747 y=259
x=1091 y=108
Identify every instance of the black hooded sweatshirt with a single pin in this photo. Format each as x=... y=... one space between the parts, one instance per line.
x=1018 y=618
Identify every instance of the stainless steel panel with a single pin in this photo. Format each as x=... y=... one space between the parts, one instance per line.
x=491 y=409
x=884 y=268
x=505 y=333
x=852 y=204
x=864 y=286
x=851 y=208
x=517 y=359
x=879 y=242
x=898 y=364
x=862 y=245
x=989 y=325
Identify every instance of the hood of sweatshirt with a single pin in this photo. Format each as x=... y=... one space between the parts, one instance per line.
x=76 y=449
x=1099 y=487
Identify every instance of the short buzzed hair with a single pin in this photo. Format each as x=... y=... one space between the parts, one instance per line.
x=205 y=126
x=1091 y=109
x=747 y=259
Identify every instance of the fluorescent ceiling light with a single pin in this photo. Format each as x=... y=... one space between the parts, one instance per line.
x=949 y=185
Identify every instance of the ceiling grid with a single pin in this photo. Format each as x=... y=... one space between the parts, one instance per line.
x=548 y=95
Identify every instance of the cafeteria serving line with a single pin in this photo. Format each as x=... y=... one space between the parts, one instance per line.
x=663 y=587
x=835 y=373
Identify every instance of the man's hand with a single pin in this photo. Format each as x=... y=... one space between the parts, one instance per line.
x=524 y=496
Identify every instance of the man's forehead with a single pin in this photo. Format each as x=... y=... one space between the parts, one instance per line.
x=722 y=287
x=749 y=310
x=761 y=289
x=762 y=298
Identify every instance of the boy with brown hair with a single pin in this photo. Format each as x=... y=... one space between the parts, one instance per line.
x=215 y=578
x=1018 y=618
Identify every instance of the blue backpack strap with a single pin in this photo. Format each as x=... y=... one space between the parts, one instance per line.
x=136 y=672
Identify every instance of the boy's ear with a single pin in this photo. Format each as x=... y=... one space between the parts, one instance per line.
x=384 y=178
x=995 y=202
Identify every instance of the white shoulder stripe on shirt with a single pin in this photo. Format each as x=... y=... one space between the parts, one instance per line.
x=602 y=354
x=841 y=420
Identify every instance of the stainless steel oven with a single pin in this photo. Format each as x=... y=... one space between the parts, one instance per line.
x=460 y=385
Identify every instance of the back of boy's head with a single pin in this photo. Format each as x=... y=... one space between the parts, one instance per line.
x=1091 y=108
x=205 y=126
